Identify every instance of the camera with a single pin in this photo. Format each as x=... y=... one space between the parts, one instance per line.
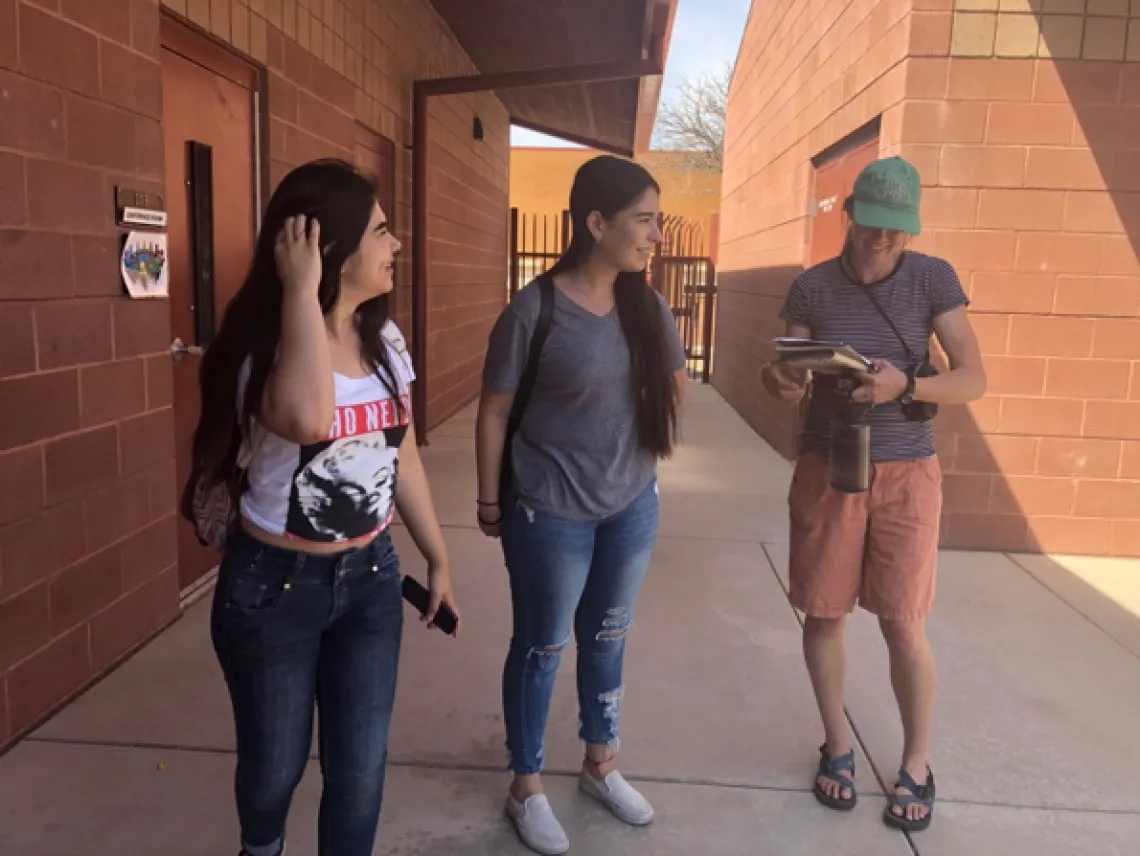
x=921 y=411
x=850 y=458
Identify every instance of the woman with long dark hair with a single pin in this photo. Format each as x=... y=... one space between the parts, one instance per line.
x=578 y=518
x=305 y=412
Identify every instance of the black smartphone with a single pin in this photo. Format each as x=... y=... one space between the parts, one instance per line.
x=420 y=598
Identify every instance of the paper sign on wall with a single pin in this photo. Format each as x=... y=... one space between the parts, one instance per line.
x=144 y=265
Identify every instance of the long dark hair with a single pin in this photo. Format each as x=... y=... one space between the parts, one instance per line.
x=341 y=199
x=849 y=215
x=610 y=185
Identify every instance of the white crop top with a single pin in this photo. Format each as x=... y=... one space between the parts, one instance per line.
x=342 y=488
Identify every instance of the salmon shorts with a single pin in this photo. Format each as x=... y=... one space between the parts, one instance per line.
x=877 y=549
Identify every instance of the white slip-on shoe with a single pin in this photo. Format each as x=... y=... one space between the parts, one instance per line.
x=536 y=825
x=619 y=796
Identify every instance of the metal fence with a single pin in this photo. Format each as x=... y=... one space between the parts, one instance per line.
x=684 y=273
x=537 y=242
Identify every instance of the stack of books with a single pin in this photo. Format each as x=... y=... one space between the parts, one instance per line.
x=819 y=356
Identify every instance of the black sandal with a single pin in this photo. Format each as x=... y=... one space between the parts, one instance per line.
x=919 y=794
x=836 y=770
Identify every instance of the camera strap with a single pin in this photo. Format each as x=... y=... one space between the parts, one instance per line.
x=878 y=306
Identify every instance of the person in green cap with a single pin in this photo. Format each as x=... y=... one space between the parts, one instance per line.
x=877 y=548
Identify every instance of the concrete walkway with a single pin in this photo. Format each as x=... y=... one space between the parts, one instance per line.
x=1035 y=747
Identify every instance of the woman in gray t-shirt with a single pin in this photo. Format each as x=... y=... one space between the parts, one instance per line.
x=578 y=518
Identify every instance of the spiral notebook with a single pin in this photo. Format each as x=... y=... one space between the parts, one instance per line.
x=820 y=356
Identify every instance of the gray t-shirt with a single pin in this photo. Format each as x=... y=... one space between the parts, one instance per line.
x=576 y=454
x=833 y=307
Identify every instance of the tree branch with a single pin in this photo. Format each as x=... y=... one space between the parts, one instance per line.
x=694 y=118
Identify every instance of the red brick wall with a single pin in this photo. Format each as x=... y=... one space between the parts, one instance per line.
x=87 y=555
x=1031 y=192
x=87 y=488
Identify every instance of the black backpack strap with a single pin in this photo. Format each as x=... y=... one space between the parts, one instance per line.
x=537 y=340
x=529 y=376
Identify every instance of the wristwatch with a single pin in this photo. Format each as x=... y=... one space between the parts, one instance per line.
x=908 y=394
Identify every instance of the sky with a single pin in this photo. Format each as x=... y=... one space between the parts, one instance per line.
x=706 y=35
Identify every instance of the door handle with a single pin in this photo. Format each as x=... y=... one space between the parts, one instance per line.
x=180 y=350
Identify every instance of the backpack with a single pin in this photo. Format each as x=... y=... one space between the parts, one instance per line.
x=213 y=509
x=526 y=382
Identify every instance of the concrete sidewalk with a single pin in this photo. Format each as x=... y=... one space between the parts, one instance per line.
x=1034 y=751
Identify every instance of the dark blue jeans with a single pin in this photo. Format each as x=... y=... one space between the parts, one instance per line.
x=568 y=574
x=291 y=630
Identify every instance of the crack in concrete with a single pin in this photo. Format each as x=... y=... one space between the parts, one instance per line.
x=554 y=772
x=567 y=773
x=847 y=713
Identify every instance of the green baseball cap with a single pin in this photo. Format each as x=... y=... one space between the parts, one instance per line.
x=887 y=195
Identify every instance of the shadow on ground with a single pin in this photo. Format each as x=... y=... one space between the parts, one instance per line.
x=1041 y=678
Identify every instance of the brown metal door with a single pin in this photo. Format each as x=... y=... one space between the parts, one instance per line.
x=203 y=106
x=834 y=179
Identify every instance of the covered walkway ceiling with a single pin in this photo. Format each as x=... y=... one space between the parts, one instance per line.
x=503 y=36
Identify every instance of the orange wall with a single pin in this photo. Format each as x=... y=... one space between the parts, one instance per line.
x=1023 y=126
x=541 y=181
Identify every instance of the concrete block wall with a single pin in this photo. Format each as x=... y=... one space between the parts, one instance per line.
x=1022 y=118
x=88 y=560
x=810 y=72
x=1035 y=200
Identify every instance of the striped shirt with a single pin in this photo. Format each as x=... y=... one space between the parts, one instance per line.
x=834 y=308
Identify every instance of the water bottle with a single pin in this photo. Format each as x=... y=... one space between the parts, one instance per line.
x=851 y=451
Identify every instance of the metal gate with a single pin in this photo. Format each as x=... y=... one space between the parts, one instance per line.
x=682 y=271
x=537 y=242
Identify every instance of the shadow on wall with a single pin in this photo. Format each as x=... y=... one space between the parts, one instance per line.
x=1065 y=389
x=987 y=475
x=1105 y=591
x=747 y=319
x=1049 y=460
x=1096 y=313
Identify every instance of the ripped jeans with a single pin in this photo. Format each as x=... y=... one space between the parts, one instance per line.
x=569 y=573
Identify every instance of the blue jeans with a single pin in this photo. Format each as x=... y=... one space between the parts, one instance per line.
x=291 y=630
x=563 y=573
